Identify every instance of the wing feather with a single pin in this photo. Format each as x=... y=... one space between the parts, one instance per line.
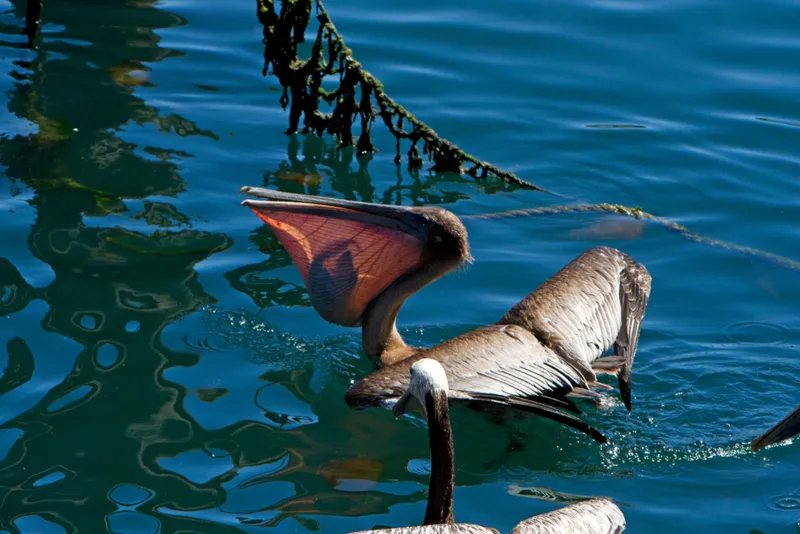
x=634 y=292
x=532 y=406
x=498 y=365
x=593 y=516
x=458 y=528
x=596 y=301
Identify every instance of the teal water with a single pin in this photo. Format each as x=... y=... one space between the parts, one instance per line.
x=163 y=370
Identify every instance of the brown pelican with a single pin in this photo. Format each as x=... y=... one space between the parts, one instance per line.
x=428 y=390
x=361 y=261
x=788 y=427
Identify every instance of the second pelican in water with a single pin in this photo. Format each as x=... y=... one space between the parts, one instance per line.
x=361 y=261
x=428 y=390
x=787 y=428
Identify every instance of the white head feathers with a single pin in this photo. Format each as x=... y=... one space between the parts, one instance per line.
x=427 y=375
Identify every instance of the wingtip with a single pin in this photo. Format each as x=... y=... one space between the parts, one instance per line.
x=625 y=392
x=597 y=435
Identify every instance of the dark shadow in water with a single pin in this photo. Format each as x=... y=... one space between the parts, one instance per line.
x=114 y=291
x=114 y=421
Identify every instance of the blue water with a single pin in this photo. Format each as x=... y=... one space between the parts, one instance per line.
x=163 y=370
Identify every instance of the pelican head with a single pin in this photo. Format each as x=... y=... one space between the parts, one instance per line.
x=427 y=376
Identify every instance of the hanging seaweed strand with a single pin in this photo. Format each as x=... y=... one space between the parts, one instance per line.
x=355 y=95
x=33 y=19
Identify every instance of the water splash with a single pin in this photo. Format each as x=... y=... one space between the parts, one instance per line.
x=262 y=343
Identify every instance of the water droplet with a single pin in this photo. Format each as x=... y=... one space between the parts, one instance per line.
x=129 y=495
x=785 y=502
x=107 y=355
x=70 y=398
x=132 y=326
x=51 y=478
x=757 y=332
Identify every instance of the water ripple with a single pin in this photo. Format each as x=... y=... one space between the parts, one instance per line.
x=757 y=332
x=785 y=503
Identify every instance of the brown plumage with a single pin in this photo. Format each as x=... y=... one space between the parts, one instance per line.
x=361 y=261
x=428 y=389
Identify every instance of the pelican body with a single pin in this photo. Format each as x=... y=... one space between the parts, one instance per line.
x=428 y=390
x=361 y=261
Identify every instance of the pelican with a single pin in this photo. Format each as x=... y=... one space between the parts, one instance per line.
x=361 y=261
x=428 y=390
x=788 y=427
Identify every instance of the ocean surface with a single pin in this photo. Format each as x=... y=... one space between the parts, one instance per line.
x=163 y=370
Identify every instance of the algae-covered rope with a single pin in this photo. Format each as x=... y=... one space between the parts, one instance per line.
x=616 y=209
x=330 y=56
x=302 y=82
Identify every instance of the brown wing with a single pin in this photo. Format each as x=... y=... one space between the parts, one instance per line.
x=498 y=365
x=596 y=301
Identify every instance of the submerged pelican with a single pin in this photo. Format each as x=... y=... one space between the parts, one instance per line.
x=361 y=261
x=428 y=390
x=788 y=427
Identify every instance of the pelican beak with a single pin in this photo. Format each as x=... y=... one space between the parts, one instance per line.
x=407 y=403
x=403 y=405
x=400 y=218
x=787 y=428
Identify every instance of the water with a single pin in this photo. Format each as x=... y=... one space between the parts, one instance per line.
x=164 y=372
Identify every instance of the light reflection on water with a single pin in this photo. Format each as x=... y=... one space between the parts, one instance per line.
x=163 y=369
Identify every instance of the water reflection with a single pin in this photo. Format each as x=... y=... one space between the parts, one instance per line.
x=103 y=416
x=84 y=358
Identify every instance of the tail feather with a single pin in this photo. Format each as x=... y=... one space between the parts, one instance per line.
x=610 y=365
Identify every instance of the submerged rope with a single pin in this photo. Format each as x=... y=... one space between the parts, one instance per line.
x=636 y=213
x=302 y=82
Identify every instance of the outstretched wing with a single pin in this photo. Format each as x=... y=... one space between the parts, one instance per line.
x=492 y=366
x=596 y=301
x=347 y=252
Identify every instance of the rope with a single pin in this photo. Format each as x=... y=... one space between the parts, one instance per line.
x=636 y=213
x=353 y=99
